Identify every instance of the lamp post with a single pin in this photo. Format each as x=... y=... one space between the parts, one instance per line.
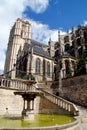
x=60 y=67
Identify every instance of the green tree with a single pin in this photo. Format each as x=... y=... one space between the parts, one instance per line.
x=81 y=66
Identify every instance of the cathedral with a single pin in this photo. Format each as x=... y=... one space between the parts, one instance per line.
x=29 y=56
x=73 y=46
x=44 y=62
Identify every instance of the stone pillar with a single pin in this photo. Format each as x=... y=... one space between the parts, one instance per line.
x=24 y=105
x=33 y=104
x=28 y=104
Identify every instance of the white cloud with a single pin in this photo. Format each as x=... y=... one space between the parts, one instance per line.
x=85 y=23
x=38 y=6
x=9 y=12
x=42 y=32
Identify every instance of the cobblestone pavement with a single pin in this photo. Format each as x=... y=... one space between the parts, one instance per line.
x=82 y=118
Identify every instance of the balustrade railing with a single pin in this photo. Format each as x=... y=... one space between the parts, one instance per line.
x=15 y=84
x=62 y=103
x=19 y=85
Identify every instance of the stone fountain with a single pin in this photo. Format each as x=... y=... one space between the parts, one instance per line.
x=28 y=98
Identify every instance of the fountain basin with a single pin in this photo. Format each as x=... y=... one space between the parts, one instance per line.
x=41 y=121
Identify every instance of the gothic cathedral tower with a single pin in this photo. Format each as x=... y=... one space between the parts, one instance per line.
x=19 y=35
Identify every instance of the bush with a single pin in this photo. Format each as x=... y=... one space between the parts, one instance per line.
x=81 y=66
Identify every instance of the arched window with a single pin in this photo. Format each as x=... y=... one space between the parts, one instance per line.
x=38 y=64
x=48 y=69
x=67 y=64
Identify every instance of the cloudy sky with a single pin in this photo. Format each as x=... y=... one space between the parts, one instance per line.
x=46 y=17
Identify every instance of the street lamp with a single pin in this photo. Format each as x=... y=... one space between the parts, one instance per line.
x=60 y=67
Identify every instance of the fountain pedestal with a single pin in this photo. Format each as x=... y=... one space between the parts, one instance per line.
x=28 y=115
x=28 y=98
x=28 y=108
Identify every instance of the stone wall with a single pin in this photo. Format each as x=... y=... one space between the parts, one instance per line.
x=10 y=103
x=74 y=89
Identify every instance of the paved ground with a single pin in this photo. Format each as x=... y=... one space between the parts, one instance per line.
x=83 y=118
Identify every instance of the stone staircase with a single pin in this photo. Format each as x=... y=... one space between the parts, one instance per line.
x=62 y=103
x=21 y=85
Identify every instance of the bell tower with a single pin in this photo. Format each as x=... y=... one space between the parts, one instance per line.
x=19 y=35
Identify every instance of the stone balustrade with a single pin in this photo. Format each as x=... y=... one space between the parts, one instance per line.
x=15 y=84
x=19 y=85
x=62 y=103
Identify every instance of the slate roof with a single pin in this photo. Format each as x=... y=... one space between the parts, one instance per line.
x=33 y=42
x=40 y=51
x=38 y=48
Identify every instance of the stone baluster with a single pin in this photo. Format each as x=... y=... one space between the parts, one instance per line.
x=23 y=86
x=10 y=83
x=16 y=84
x=5 y=82
x=1 y=82
x=58 y=102
x=24 y=105
x=68 y=107
x=20 y=87
x=65 y=106
x=28 y=104
x=55 y=100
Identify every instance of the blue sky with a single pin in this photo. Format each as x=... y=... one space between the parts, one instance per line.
x=45 y=16
x=61 y=14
